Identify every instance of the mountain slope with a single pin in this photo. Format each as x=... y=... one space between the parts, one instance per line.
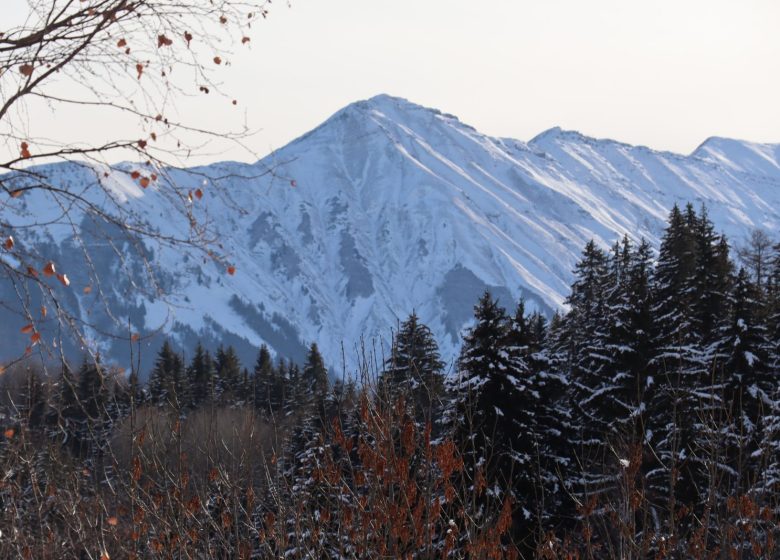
x=389 y=207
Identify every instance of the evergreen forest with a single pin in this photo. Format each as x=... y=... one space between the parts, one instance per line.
x=641 y=423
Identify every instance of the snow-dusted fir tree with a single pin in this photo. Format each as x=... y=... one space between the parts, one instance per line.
x=312 y=391
x=554 y=423
x=591 y=371
x=773 y=310
x=267 y=385
x=313 y=382
x=167 y=382
x=414 y=369
x=201 y=378
x=289 y=375
x=491 y=418
x=771 y=473
x=676 y=473
x=229 y=377
x=97 y=410
x=309 y=466
x=712 y=281
x=749 y=390
x=631 y=329
x=609 y=380
x=537 y=484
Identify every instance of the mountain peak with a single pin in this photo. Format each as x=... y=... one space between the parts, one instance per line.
x=550 y=134
x=557 y=134
x=385 y=112
x=740 y=154
x=398 y=108
x=391 y=206
x=385 y=99
x=721 y=143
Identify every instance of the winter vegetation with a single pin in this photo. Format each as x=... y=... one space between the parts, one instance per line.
x=641 y=423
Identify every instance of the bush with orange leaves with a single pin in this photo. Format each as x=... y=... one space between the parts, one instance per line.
x=370 y=483
x=373 y=483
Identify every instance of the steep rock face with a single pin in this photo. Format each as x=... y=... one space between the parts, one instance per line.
x=389 y=207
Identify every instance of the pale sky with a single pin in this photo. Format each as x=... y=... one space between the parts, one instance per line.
x=662 y=73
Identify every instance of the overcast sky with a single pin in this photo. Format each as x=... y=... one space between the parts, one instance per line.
x=663 y=73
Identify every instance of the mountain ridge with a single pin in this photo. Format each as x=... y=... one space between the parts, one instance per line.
x=388 y=206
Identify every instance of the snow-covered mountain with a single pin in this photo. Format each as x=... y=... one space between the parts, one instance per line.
x=389 y=207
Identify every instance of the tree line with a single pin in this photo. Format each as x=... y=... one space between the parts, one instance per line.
x=640 y=423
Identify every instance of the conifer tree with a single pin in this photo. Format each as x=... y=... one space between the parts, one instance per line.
x=167 y=383
x=290 y=377
x=228 y=369
x=712 y=281
x=312 y=389
x=80 y=408
x=414 y=369
x=245 y=391
x=591 y=371
x=539 y=448
x=305 y=451
x=489 y=417
x=262 y=375
x=638 y=316
x=750 y=388
x=313 y=380
x=201 y=378
x=773 y=310
x=268 y=387
x=677 y=474
x=770 y=478
x=555 y=426
x=620 y=402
